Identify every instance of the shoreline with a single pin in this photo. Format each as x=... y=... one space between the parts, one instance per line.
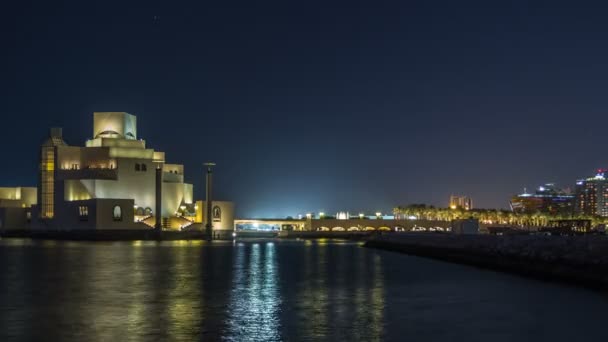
x=582 y=262
x=134 y=235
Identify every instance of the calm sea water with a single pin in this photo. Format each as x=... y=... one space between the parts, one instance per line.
x=275 y=290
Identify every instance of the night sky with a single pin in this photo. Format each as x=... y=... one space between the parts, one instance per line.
x=319 y=105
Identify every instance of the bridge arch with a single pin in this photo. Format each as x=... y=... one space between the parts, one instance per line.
x=369 y=228
x=353 y=229
x=384 y=228
x=338 y=229
x=323 y=229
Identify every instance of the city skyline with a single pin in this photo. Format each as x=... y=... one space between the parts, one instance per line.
x=455 y=201
x=321 y=106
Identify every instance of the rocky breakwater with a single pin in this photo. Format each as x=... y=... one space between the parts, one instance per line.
x=576 y=259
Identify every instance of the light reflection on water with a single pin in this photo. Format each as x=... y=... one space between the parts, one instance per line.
x=270 y=291
x=255 y=300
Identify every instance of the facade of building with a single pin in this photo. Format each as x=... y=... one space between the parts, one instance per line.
x=19 y=197
x=15 y=207
x=222 y=214
x=110 y=183
x=591 y=195
x=547 y=199
x=463 y=202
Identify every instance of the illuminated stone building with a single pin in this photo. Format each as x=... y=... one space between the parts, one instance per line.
x=110 y=182
x=591 y=195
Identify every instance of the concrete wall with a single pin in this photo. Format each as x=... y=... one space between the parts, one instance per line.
x=105 y=218
x=226 y=217
x=140 y=186
x=13 y=218
x=18 y=197
x=129 y=184
x=173 y=195
x=100 y=216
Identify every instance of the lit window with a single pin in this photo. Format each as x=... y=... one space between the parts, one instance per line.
x=83 y=212
x=117 y=213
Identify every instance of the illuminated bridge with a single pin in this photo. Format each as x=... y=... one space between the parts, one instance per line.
x=353 y=224
x=269 y=224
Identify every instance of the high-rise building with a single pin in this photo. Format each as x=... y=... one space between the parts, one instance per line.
x=591 y=195
x=547 y=199
x=462 y=202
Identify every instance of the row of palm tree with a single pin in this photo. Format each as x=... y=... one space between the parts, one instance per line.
x=488 y=216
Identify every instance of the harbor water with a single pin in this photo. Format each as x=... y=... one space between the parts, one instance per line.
x=275 y=290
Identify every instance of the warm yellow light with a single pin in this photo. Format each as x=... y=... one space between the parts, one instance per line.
x=361 y=215
x=453 y=206
x=309 y=215
x=378 y=214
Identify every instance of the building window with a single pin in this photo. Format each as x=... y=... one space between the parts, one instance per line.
x=83 y=213
x=117 y=213
x=148 y=211
x=144 y=167
x=217 y=214
x=137 y=167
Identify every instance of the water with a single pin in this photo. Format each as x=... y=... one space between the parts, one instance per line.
x=275 y=290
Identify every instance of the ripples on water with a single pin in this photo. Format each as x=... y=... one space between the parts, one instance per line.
x=273 y=291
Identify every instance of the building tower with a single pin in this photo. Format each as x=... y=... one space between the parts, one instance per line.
x=48 y=157
x=591 y=196
x=462 y=202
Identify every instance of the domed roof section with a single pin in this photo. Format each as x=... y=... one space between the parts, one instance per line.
x=114 y=125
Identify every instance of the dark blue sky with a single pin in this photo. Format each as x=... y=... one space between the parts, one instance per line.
x=320 y=105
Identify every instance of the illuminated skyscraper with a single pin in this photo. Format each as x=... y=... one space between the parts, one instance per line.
x=591 y=195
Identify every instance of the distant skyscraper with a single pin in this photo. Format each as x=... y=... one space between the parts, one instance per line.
x=591 y=195
x=547 y=199
x=463 y=202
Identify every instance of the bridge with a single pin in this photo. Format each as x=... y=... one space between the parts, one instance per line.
x=269 y=224
x=340 y=225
